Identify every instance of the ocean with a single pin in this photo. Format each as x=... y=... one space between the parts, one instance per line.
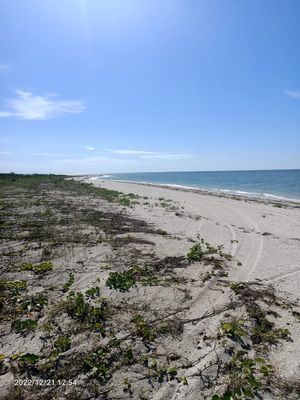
x=272 y=184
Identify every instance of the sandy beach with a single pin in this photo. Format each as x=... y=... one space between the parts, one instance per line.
x=264 y=236
x=127 y=290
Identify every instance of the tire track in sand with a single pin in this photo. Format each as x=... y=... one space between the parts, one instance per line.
x=255 y=249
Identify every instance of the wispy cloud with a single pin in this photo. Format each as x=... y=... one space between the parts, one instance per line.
x=131 y=152
x=89 y=148
x=143 y=154
x=5 y=152
x=29 y=106
x=294 y=94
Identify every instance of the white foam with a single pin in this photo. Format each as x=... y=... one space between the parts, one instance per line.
x=280 y=197
x=178 y=186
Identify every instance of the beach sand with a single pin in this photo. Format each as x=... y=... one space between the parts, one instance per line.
x=264 y=236
x=261 y=235
x=189 y=324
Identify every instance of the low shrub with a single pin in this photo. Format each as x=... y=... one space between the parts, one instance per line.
x=121 y=281
x=62 y=344
x=38 y=268
x=24 y=326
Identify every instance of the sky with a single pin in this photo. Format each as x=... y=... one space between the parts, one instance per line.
x=100 y=86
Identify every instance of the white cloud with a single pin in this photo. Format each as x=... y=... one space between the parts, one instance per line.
x=294 y=94
x=5 y=152
x=89 y=148
x=131 y=152
x=29 y=106
x=143 y=154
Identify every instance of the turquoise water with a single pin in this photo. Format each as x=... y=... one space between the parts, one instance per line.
x=271 y=184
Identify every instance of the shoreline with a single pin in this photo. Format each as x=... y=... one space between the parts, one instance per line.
x=262 y=234
x=239 y=195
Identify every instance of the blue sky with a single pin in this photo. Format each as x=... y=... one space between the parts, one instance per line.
x=92 y=86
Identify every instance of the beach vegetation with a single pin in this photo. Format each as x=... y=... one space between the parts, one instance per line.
x=132 y=196
x=160 y=373
x=262 y=331
x=124 y=201
x=93 y=293
x=47 y=327
x=121 y=281
x=234 y=328
x=88 y=315
x=202 y=249
x=143 y=329
x=101 y=362
x=27 y=361
x=128 y=200
x=69 y=282
x=13 y=286
x=39 y=269
x=195 y=253
x=33 y=303
x=150 y=281
x=246 y=375
x=24 y=326
x=62 y=344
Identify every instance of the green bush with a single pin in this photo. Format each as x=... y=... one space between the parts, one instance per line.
x=202 y=249
x=62 y=344
x=25 y=326
x=93 y=292
x=195 y=253
x=121 y=281
x=234 y=328
x=79 y=309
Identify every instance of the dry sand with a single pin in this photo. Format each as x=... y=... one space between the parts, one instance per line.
x=183 y=304
x=263 y=236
